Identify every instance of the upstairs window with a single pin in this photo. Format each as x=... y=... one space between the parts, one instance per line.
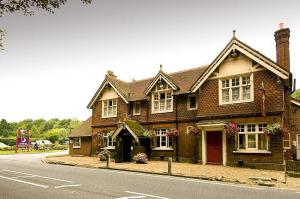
x=136 y=108
x=236 y=89
x=162 y=99
x=192 y=102
x=109 y=108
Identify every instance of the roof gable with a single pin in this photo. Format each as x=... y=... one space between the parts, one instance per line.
x=254 y=55
x=119 y=86
x=161 y=76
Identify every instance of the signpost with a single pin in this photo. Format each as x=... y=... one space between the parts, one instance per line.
x=23 y=139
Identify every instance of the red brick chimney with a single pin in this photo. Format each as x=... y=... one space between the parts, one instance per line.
x=282 y=37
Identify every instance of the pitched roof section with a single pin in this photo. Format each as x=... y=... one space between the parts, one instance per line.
x=236 y=44
x=158 y=77
x=295 y=101
x=84 y=130
x=134 y=91
x=133 y=127
x=118 y=85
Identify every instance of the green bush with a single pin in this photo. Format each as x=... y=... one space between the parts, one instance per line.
x=60 y=147
x=10 y=141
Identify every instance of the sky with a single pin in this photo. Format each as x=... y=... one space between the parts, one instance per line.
x=53 y=63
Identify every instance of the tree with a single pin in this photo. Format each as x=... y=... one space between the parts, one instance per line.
x=296 y=94
x=4 y=128
x=27 y=6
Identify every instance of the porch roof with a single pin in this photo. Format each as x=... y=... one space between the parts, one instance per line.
x=134 y=128
x=211 y=124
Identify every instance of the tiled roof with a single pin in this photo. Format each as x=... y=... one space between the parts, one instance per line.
x=84 y=130
x=133 y=91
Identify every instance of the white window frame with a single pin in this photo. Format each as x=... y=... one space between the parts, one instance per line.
x=161 y=132
x=189 y=103
x=256 y=133
x=240 y=86
x=298 y=141
x=109 y=142
x=114 y=105
x=158 y=91
x=75 y=145
x=134 y=108
x=287 y=140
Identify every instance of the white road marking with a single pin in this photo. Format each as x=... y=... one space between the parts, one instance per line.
x=23 y=177
x=16 y=180
x=132 y=197
x=70 y=185
x=37 y=176
x=143 y=194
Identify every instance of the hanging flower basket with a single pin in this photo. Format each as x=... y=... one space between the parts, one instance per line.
x=231 y=129
x=172 y=133
x=276 y=129
x=193 y=131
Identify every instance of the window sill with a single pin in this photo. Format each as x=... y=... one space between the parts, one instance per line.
x=253 y=152
x=109 y=148
x=76 y=147
x=162 y=112
x=235 y=102
x=109 y=116
x=192 y=109
x=162 y=149
x=136 y=114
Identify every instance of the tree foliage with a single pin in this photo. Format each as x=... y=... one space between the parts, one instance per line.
x=27 y=7
x=296 y=94
x=53 y=129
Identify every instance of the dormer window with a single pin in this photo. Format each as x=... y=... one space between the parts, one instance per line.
x=236 y=89
x=109 y=108
x=162 y=98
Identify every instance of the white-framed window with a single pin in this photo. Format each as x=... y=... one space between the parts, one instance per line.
x=287 y=141
x=109 y=108
x=108 y=140
x=162 y=141
x=162 y=98
x=136 y=108
x=236 y=89
x=192 y=102
x=77 y=142
x=252 y=137
x=298 y=141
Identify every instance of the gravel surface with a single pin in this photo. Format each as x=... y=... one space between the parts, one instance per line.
x=210 y=172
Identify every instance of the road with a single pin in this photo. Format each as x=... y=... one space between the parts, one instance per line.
x=26 y=177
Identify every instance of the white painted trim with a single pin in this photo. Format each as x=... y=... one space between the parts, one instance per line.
x=204 y=154
x=153 y=83
x=295 y=102
x=249 y=53
x=129 y=130
x=162 y=149
x=253 y=151
x=152 y=102
x=101 y=89
x=102 y=106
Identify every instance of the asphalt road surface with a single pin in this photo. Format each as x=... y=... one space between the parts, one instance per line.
x=26 y=177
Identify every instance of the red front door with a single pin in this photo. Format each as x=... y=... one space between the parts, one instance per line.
x=214 y=147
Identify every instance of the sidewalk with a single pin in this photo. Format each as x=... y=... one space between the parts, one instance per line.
x=207 y=172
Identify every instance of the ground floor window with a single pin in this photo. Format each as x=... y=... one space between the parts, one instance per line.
x=252 y=137
x=287 y=141
x=162 y=141
x=76 y=142
x=108 y=140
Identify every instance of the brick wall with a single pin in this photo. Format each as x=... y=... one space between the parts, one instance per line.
x=85 y=148
x=208 y=104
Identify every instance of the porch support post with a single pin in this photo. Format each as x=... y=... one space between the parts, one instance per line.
x=224 y=147
x=204 y=153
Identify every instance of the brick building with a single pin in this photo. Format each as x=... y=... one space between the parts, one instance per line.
x=240 y=86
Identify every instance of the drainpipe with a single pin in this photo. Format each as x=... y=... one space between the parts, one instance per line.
x=91 y=153
x=176 y=121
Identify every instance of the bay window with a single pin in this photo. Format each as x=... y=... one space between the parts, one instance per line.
x=252 y=137
x=236 y=89
x=109 y=108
